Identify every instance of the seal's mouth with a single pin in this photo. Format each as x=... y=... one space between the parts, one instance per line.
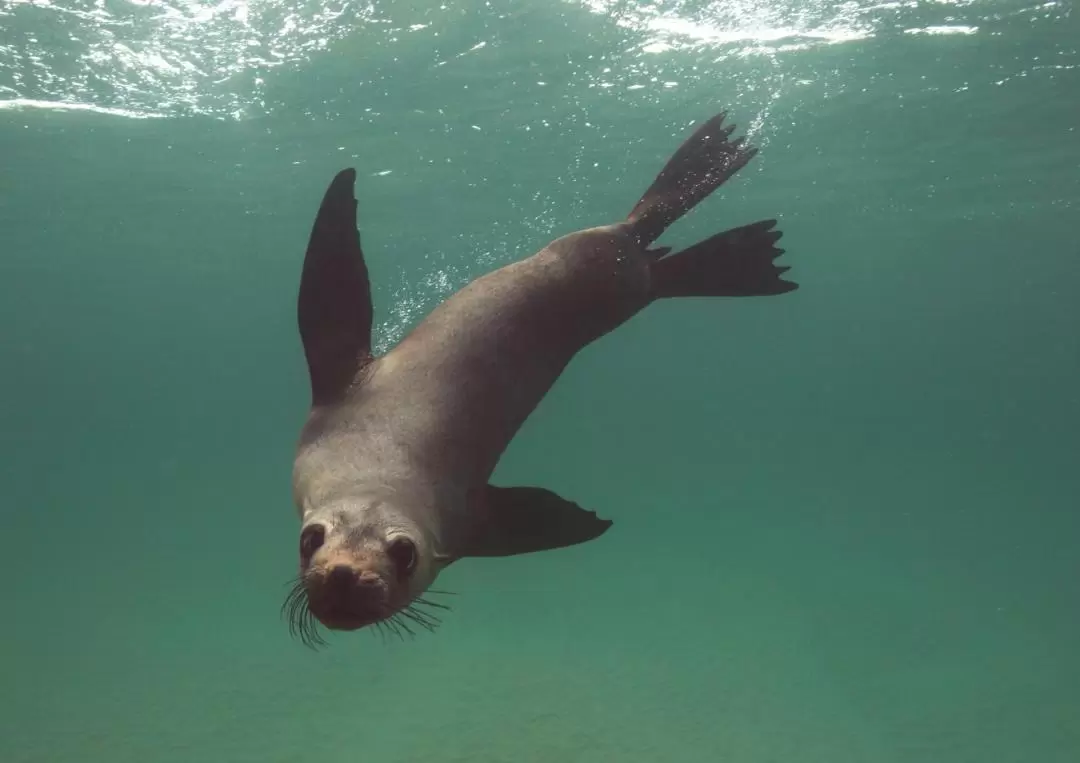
x=344 y=599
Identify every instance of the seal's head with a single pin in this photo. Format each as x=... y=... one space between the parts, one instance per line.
x=361 y=563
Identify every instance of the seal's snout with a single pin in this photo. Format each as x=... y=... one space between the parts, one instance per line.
x=344 y=580
x=342 y=577
x=345 y=596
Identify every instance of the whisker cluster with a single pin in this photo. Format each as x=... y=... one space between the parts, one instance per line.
x=417 y=614
x=420 y=613
x=302 y=623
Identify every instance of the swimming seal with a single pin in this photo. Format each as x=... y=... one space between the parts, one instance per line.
x=392 y=466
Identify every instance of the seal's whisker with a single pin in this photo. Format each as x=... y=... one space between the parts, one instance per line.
x=421 y=619
x=430 y=627
x=298 y=615
x=393 y=625
x=441 y=593
x=431 y=621
x=427 y=603
x=403 y=626
x=310 y=630
x=416 y=609
x=420 y=616
x=396 y=619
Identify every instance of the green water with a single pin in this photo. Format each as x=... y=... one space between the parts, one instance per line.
x=847 y=520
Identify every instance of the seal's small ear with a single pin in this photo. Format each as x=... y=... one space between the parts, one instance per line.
x=334 y=308
x=520 y=520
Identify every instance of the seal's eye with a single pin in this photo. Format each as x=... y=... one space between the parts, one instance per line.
x=310 y=540
x=403 y=553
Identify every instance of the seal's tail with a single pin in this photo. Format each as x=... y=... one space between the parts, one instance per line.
x=735 y=263
x=701 y=164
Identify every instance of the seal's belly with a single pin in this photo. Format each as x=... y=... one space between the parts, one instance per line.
x=472 y=371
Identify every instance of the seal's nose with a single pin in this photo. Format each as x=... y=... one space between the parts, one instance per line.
x=347 y=596
x=352 y=594
x=342 y=578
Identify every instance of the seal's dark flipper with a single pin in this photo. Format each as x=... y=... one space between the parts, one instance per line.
x=334 y=308
x=702 y=164
x=520 y=520
x=735 y=263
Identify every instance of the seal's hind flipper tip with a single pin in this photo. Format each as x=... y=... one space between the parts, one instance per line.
x=740 y=262
x=714 y=121
x=521 y=520
x=705 y=161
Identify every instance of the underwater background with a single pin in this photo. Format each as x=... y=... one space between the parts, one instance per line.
x=847 y=519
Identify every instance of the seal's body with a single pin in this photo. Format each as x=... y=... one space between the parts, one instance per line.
x=391 y=474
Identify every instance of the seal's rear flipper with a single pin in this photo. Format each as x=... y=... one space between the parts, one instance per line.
x=702 y=164
x=334 y=308
x=735 y=263
x=520 y=520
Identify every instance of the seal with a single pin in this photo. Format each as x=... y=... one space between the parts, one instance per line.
x=392 y=468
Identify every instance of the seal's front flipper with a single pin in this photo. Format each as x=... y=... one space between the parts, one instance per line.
x=735 y=263
x=702 y=164
x=520 y=520
x=334 y=308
